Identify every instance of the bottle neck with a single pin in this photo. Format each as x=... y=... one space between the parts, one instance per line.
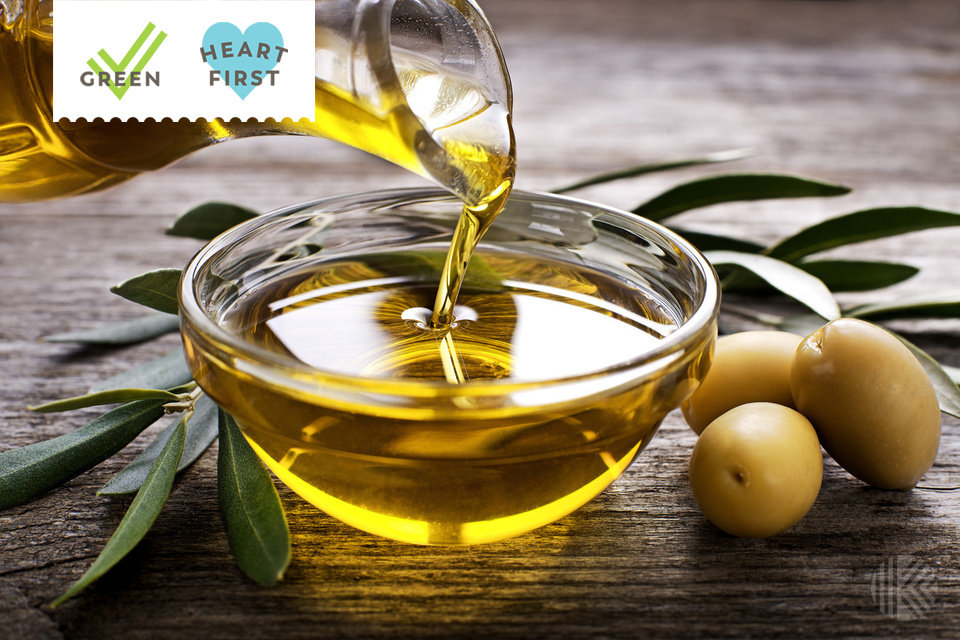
x=427 y=79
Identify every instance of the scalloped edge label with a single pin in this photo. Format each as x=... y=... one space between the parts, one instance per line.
x=139 y=59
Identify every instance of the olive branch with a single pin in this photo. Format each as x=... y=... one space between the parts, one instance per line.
x=253 y=515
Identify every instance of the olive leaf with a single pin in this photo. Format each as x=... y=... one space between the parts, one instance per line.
x=28 y=471
x=208 y=220
x=166 y=372
x=139 y=517
x=631 y=172
x=948 y=394
x=124 y=332
x=734 y=188
x=252 y=513
x=713 y=242
x=945 y=304
x=785 y=277
x=840 y=275
x=154 y=289
x=859 y=226
x=858 y=275
x=802 y=324
x=201 y=433
x=952 y=372
x=113 y=396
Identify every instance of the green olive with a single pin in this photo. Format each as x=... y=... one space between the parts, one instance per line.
x=756 y=470
x=753 y=366
x=870 y=401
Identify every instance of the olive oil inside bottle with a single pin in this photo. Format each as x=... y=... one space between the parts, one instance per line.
x=458 y=138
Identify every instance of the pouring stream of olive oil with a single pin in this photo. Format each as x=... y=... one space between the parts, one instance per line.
x=415 y=472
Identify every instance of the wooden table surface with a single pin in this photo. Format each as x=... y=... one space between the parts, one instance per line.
x=862 y=92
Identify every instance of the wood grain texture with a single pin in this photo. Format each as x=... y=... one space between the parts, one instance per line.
x=860 y=92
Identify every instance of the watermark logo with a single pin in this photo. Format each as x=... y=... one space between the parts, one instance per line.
x=903 y=588
x=243 y=60
x=216 y=59
x=126 y=73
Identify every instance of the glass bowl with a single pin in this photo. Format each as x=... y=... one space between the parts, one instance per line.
x=579 y=327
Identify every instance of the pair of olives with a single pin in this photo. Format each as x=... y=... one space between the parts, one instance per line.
x=771 y=399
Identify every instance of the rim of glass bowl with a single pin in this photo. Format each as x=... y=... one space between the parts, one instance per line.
x=284 y=368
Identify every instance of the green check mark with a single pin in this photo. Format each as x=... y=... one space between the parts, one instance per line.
x=124 y=63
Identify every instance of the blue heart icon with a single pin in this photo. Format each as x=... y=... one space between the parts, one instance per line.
x=243 y=58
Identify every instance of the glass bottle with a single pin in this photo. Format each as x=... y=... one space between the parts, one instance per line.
x=421 y=83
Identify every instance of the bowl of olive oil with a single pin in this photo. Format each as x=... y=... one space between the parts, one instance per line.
x=575 y=330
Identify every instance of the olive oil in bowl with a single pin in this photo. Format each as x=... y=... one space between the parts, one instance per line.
x=576 y=330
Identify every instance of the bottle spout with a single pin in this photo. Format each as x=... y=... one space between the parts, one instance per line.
x=421 y=83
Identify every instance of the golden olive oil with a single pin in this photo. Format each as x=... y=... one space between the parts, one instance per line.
x=451 y=435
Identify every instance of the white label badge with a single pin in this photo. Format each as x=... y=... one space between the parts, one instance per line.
x=183 y=59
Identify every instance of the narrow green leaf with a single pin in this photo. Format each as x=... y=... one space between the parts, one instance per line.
x=252 y=512
x=201 y=432
x=734 y=188
x=712 y=242
x=124 y=332
x=154 y=289
x=839 y=275
x=114 y=396
x=948 y=394
x=139 y=517
x=858 y=275
x=859 y=226
x=782 y=276
x=803 y=324
x=163 y=373
x=28 y=471
x=632 y=172
x=952 y=372
x=208 y=220
x=770 y=320
x=944 y=304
